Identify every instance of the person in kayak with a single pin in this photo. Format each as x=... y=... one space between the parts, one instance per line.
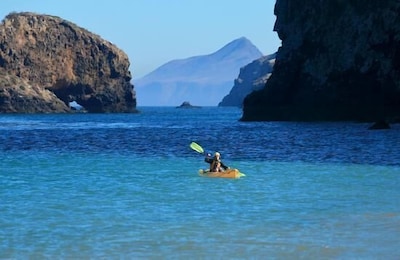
x=216 y=165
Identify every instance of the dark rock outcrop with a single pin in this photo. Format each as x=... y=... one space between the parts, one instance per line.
x=47 y=62
x=380 y=125
x=339 y=60
x=251 y=77
x=186 y=104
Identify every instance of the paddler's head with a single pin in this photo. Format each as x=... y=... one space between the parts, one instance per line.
x=217 y=155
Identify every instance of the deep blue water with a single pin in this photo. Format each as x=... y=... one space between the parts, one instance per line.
x=126 y=186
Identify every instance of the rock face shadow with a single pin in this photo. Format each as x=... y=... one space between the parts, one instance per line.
x=339 y=61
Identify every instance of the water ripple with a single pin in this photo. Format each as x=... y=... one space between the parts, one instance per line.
x=158 y=132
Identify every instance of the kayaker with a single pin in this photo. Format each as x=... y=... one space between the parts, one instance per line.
x=216 y=164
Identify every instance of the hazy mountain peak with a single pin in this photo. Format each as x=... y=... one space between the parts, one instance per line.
x=196 y=78
x=238 y=45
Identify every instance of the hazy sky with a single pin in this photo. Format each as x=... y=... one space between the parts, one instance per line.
x=153 y=32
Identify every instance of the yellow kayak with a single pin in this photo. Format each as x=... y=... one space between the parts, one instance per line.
x=229 y=173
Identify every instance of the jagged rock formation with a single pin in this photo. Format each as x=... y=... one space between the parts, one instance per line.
x=339 y=60
x=19 y=96
x=252 y=77
x=203 y=79
x=47 y=62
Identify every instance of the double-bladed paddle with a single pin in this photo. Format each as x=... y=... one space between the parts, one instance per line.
x=195 y=146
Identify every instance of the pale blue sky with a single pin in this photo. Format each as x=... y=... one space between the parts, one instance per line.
x=153 y=32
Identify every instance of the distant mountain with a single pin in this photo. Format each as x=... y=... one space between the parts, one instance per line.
x=201 y=80
x=252 y=77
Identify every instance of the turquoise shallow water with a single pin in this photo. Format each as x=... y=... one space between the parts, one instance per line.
x=126 y=186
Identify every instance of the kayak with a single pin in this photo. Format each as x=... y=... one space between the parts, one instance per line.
x=229 y=173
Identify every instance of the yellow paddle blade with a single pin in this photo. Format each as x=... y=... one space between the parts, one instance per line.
x=196 y=147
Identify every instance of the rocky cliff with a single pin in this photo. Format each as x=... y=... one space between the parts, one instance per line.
x=251 y=77
x=339 y=60
x=47 y=62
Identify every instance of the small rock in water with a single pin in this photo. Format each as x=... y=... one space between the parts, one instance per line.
x=186 y=104
x=379 y=125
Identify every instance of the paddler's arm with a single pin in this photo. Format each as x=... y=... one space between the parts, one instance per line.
x=208 y=160
x=224 y=166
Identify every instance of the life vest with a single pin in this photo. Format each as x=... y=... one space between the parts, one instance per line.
x=214 y=166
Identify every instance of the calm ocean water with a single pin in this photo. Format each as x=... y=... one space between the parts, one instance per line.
x=126 y=186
